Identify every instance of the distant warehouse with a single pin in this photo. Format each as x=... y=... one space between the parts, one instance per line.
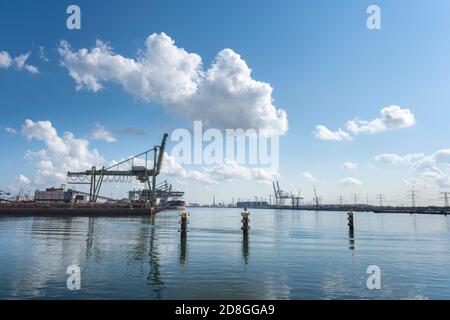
x=252 y=204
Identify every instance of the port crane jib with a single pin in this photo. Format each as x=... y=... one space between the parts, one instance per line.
x=95 y=177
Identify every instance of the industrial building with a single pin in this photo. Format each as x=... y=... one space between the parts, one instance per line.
x=252 y=204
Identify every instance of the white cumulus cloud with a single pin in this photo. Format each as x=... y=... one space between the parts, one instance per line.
x=350 y=181
x=323 y=133
x=215 y=174
x=392 y=117
x=61 y=153
x=415 y=183
x=10 y=130
x=433 y=167
x=442 y=156
x=99 y=132
x=19 y=62
x=389 y=158
x=43 y=54
x=23 y=180
x=5 y=60
x=309 y=176
x=172 y=167
x=350 y=166
x=231 y=170
x=223 y=96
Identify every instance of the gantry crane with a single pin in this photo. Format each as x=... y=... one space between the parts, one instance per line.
x=164 y=191
x=316 y=198
x=281 y=196
x=95 y=177
x=4 y=193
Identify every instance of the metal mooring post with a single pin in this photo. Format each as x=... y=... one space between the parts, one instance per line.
x=245 y=221
x=184 y=221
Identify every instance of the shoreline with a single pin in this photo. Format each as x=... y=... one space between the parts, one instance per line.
x=358 y=208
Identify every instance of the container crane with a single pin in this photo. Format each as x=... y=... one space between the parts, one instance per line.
x=281 y=197
x=316 y=198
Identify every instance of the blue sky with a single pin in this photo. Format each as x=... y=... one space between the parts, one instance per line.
x=324 y=65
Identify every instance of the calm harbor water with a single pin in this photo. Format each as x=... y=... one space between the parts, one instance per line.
x=287 y=255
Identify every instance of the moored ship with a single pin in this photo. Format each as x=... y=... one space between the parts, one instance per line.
x=176 y=205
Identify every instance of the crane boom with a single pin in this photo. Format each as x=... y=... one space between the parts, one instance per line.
x=161 y=153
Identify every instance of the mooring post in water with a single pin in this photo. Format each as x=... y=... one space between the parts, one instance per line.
x=351 y=232
x=183 y=247
x=350 y=221
x=184 y=221
x=245 y=221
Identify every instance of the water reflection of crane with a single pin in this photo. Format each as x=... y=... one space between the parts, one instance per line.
x=154 y=275
x=90 y=237
x=146 y=244
x=139 y=250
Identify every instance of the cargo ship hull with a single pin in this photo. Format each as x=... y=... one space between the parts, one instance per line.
x=70 y=210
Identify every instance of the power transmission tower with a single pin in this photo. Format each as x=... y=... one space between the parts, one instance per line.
x=413 y=194
x=445 y=197
x=340 y=200
x=355 y=198
x=367 y=199
x=380 y=198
